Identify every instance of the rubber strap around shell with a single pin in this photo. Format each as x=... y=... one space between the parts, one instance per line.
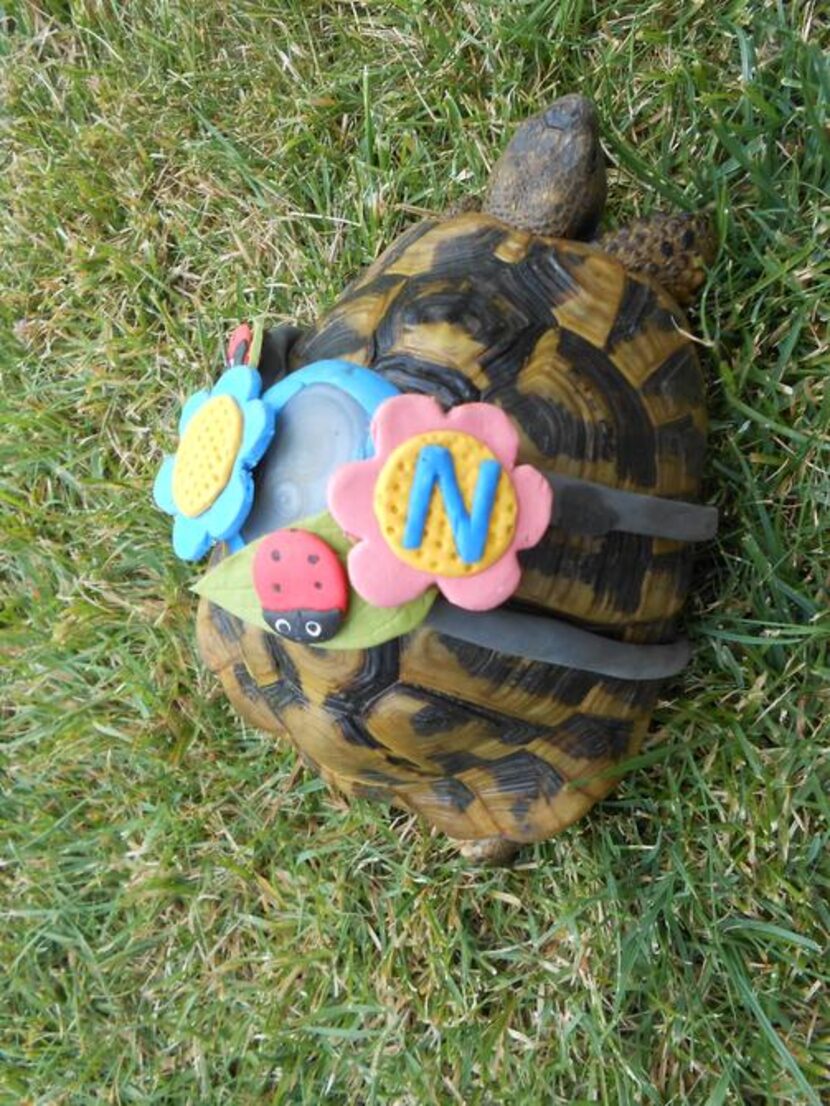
x=536 y=638
x=582 y=507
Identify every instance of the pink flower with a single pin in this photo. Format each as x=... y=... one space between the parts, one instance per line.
x=455 y=514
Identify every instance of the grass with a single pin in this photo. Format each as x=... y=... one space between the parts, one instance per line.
x=187 y=916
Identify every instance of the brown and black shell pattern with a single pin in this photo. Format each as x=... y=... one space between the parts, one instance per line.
x=594 y=366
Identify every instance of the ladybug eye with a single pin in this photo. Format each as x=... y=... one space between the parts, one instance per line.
x=282 y=626
x=313 y=629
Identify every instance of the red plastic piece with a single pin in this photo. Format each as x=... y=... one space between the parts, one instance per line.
x=239 y=345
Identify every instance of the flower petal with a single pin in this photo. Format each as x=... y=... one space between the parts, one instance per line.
x=259 y=430
x=381 y=579
x=350 y=496
x=240 y=383
x=403 y=417
x=490 y=425
x=227 y=514
x=483 y=590
x=163 y=486
x=193 y=404
x=535 y=497
x=190 y=538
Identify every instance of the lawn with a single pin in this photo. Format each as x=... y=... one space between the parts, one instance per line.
x=188 y=917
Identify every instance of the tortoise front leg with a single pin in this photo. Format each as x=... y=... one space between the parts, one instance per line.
x=489 y=852
x=674 y=250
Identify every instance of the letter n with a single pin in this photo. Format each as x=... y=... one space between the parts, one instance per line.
x=435 y=465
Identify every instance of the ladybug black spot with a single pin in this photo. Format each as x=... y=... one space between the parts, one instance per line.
x=275 y=554
x=318 y=584
x=313 y=558
x=277 y=587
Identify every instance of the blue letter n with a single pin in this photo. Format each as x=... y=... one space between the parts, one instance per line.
x=469 y=529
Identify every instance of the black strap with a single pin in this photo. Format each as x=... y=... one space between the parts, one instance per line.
x=539 y=638
x=582 y=507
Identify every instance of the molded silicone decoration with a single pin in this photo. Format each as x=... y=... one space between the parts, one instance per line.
x=363 y=385
x=436 y=465
x=381 y=501
x=449 y=468
x=301 y=584
x=320 y=428
x=239 y=345
x=323 y=413
x=230 y=585
x=245 y=345
x=207 y=484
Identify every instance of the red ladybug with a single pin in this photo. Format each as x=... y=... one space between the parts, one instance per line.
x=301 y=585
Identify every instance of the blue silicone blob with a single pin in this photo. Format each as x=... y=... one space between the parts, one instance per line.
x=319 y=429
x=323 y=413
x=364 y=386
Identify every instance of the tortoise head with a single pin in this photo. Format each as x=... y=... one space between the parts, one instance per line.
x=551 y=178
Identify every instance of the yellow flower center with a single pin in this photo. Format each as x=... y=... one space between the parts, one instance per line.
x=206 y=454
x=438 y=550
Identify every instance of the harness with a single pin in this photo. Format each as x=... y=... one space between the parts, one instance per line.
x=583 y=507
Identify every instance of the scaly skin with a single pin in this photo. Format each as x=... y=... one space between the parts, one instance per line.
x=674 y=250
x=551 y=178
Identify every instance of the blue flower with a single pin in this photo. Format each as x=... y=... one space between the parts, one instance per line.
x=207 y=484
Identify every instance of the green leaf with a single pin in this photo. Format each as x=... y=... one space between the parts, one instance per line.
x=230 y=585
x=257 y=331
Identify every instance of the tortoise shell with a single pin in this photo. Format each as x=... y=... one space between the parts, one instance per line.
x=595 y=368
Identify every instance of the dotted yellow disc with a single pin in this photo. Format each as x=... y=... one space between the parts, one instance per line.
x=437 y=552
x=206 y=454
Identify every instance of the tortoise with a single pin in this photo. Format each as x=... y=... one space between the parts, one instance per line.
x=582 y=341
